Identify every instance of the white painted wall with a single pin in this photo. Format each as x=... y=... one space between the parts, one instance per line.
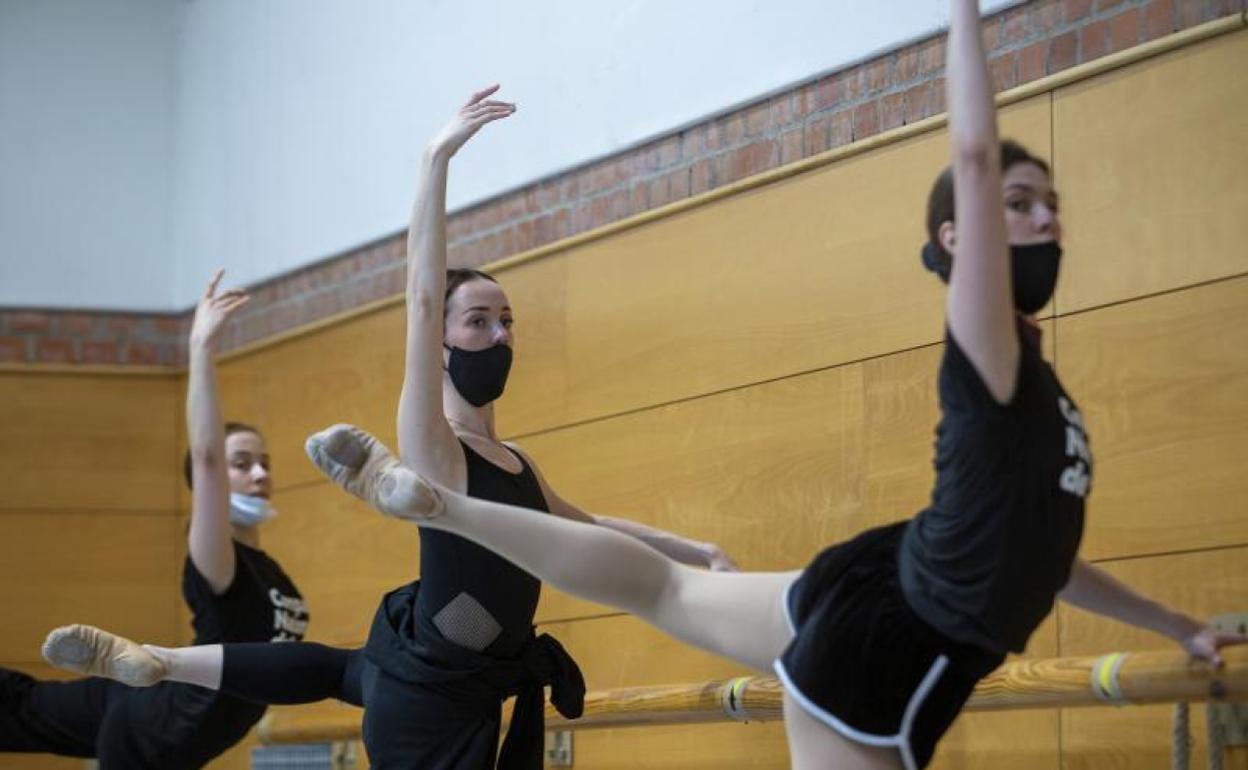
x=297 y=123
x=86 y=126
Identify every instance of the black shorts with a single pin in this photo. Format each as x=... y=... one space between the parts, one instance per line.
x=863 y=663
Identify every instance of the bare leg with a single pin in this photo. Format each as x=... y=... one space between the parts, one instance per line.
x=737 y=615
x=90 y=650
x=815 y=746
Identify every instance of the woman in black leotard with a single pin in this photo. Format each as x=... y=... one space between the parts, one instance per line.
x=235 y=591
x=445 y=651
x=881 y=639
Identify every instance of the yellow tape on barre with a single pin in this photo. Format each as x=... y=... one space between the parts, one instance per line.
x=730 y=698
x=1105 y=682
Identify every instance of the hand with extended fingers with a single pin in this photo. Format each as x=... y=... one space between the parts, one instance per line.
x=479 y=110
x=213 y=311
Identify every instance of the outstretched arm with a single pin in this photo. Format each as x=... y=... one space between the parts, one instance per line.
x=209 y=539
x=980 y=308
x=675 y=547
x=682 y=549
x=426 y=441
x=1095 y=590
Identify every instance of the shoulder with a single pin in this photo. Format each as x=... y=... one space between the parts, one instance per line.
x=513 y=446
x=964 y=391
x=547 y=492
x=528 y=461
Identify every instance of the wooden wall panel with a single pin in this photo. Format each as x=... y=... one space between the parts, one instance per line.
x=1204 y=583
x=345 y=373
x=1163 y=383
x=74 y=441
x=1150 y=163
x=119 y=571
x=88 y=514
x=813 y=271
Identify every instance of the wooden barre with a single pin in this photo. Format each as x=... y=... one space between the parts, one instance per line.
x=1117 y=678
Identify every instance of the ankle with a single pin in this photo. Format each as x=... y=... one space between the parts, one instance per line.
x=164 y=656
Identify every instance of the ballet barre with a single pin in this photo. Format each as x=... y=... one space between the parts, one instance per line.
x=1121 y=679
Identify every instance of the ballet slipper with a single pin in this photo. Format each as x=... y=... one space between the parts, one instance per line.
x=356 y=461
x=92 y=651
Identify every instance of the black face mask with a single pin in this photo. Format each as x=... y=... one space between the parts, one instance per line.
x=479 y=375
x=1034 y=267
x=1035 y=274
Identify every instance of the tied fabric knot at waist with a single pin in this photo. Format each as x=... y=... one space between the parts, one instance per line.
x=411 y=649
x=543 y=662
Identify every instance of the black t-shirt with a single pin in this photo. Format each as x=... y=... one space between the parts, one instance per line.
x=261 y=604
x=469 y=593
x=984 y=562
x=176 y=726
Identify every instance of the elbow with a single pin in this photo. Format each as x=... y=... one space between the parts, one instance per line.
x=976 y=163
x=206 y=457
x=423 y=298
x=424 y=303
x=975 y=155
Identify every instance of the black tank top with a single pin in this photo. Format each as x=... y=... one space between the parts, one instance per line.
x=984 y=562
x=474 y=597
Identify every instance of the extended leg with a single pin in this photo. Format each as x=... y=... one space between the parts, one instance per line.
x=737 y=615
x=267 y=672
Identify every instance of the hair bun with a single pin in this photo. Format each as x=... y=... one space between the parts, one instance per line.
x=935 y=259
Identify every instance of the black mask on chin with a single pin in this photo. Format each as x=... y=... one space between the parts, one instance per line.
x=1034 y=268
x=479 y=375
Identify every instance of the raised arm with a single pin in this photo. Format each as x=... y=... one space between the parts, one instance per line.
x=210 y=537
x=980 y=307
x=426 y=441
x=1095 y=590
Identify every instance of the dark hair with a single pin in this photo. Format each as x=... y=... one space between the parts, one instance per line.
x=230 y=429
x=940 y=205
x=458 y=276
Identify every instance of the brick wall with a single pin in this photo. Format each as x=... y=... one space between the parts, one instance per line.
x=30 y=335
x=1025 y=43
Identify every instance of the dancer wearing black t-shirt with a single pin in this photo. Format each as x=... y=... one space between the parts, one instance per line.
x=445 y=651
x=235 y=591
x=880 y=640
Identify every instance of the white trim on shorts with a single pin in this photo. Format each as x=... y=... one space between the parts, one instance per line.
x=784 y=602
x=901 y=741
